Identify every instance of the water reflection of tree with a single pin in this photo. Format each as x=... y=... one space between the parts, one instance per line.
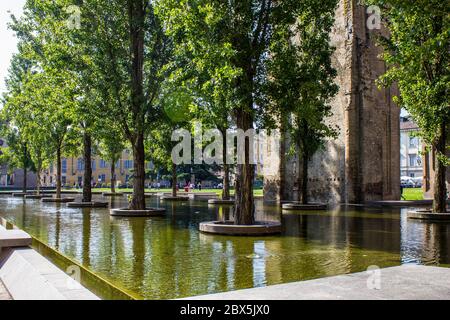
x=86 y=236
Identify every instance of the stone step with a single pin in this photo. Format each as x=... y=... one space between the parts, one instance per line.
x=29 y=276
x=14 y=238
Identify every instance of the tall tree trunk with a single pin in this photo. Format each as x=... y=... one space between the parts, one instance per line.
x=226 y=168
x=58 y=173
x=226 y=182
x=25 y=172
x=87 y=157
x=244 y=207
x=138 y=201
x=174 y=180
x=282 y=168
x=113 y=176
x=304 y=178
x=136 y=15
x=440 y=189
x=38 y=178
x=25 y=161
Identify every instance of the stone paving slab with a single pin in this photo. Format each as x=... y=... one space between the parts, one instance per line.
x=4 y=294
x=406 y=282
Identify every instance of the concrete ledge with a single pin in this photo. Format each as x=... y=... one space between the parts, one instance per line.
x=299 y=206
x=112 y=194
x=177 y=198
x=229 y=228
x=58 y=200
x=150 y=212
x=428 y=215
x=87 y=204
x=220 y=201
x=14 y=238
x=406 y=282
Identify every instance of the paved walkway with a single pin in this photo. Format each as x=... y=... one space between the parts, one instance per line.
x=4 y=295
x=408 y=282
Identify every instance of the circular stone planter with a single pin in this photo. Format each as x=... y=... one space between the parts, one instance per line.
x=220 y=201
x=299 y=206
x=149 y=212
x=170 y=198
x=428 y=215
x=87 y=204
x=112 y=194
x=35 y=196
x=260 y=228
x=19 y=194
x=58 y=200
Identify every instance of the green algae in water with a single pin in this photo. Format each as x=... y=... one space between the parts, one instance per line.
x=166 y=258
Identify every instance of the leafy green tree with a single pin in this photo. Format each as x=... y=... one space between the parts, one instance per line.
x=128 y=51
x=111 y=146
x=52 y=108
x=233 y=40
x=417 y=56
x=17 y=154
x=175 y=114
x=301 y=83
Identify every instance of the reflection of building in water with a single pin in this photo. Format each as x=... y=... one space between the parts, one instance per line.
x=426 y=243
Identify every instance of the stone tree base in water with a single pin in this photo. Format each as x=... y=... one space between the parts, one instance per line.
x=299 y=206
x=58 y=200
x=229 y=228
x=87 y=204
x=178 y=198
x=112 y=194
x=429 y=215
x=19 y=194
x=220 y=201
x=35 y=196
x=149 y=212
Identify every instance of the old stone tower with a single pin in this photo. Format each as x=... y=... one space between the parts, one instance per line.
x=363 y=163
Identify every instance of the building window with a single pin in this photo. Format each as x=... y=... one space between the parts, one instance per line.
x=412 y=160
x=94 y=165
x=118 y=164
x=413 y=142
x=128 y=164
x=63 y=180
x=80 y=164
x=64 y=166
x=102 y=178
x=103 y=164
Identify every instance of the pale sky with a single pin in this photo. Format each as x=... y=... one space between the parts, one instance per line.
x=8 y=42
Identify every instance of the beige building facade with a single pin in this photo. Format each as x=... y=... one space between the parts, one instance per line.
x=72 y=169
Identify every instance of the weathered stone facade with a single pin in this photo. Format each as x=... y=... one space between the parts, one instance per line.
x=363 y=163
